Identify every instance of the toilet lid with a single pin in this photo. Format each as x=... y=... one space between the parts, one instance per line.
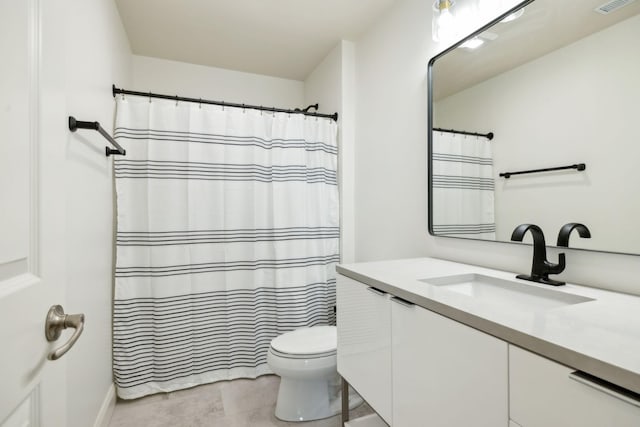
x=314 y=340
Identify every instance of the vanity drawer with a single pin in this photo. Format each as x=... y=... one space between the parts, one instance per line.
x=544 y=393
x=445 y=374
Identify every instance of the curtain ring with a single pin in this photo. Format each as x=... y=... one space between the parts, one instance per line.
x=123 y=96
x=222 y=105
x=261 y=110
x=200 y=104
x=176 y=100
x=242 y=108
x=149 y=97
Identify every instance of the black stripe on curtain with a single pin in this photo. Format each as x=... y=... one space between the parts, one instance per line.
x=448 y=229
x=463 y=182
x=169 y=238
x=209 y=267
x=209 y=138
x=147 y=169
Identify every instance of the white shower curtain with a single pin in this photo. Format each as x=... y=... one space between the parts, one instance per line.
x=463 y=186
x=227 y=235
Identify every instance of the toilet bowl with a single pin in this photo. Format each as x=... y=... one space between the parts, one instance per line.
x=305 y=360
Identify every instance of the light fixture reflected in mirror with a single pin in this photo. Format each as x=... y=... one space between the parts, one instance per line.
x=451 y=20
x=443 y=23
x=515 y=15
x=473 y=43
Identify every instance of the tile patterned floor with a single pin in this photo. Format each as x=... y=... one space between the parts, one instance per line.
x=238 y=403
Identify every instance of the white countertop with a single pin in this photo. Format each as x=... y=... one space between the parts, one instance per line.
x=600 y=337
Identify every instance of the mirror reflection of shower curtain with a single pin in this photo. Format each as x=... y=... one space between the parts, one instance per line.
x=228 y=235
x=463 y=186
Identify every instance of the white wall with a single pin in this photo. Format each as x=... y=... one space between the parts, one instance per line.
x=577 y=113
x=331 y=85
x=199 y=81
x=84 y=50
x=391 y=62
x=391 y=146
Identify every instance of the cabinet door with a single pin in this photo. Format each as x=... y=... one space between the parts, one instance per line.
x=446 y=374
x=364 y=342
x=543 y=394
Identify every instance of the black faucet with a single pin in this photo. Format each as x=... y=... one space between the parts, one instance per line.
x=563 y=236
x=540 y=268
x=565 y=231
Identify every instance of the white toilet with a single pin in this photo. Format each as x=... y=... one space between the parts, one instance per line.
x=305 y=360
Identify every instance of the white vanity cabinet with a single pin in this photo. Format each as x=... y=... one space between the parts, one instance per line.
x=447 y=357
x=444 y=373
x=542 y=394
x=364 y=342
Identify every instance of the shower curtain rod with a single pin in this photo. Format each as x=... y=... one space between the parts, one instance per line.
x=305 y=111
x=489 y=135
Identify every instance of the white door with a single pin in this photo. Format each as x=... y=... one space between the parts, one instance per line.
x=32 y=388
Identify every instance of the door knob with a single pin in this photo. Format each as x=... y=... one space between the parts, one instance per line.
x=56 y=322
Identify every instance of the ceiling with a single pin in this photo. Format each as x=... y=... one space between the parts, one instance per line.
x=281 y=38
x=545 y=26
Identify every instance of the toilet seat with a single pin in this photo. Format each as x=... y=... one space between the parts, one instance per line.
x=306 y=343
x=301 y=356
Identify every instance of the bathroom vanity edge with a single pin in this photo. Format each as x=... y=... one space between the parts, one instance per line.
x=398 y=278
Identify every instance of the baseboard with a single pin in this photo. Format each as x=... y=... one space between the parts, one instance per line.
x=106 y=410
x=372 y=420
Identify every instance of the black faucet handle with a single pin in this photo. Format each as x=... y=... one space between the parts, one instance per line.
x=559 y=267
x=549 y=268
x=565 y=232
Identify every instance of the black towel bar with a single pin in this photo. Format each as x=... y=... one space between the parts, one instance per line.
x=78 y=124
x=578 y=166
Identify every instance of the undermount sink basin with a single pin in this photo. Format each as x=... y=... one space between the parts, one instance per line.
x=515 y=294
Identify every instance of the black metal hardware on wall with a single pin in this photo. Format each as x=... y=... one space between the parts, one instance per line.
x=489 y=135
x=78 y=124
x=306 y=112
x=578 y=166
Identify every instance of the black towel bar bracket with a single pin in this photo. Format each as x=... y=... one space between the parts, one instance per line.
x=78 y=124
x=578 y=166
